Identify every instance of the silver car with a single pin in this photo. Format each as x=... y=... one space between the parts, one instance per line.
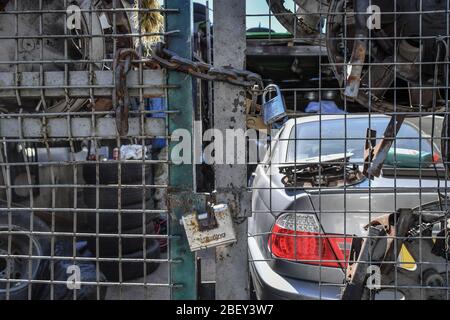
x=320 y=208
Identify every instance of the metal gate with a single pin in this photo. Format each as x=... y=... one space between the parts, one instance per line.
x=86 y=123
x=350 y=201
x=348 y=167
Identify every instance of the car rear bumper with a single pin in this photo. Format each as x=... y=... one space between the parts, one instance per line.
x=270 y=285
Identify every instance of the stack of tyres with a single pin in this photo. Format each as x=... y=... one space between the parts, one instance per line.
x=125 y=226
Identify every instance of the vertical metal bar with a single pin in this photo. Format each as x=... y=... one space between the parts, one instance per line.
x=209 y=60
x=231 y=179
x=181 y=177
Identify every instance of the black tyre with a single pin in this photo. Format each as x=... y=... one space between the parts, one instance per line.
x=109 y=173
x=19 y=244
x=109 y=221
x=108 y=247
x=133 y=270
x=109 y=197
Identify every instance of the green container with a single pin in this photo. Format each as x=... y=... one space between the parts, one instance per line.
x=267 y=35
x=408 y=158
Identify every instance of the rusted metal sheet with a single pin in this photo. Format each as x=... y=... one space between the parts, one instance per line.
x=356 y=65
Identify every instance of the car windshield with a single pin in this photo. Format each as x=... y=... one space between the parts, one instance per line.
x=340 y=136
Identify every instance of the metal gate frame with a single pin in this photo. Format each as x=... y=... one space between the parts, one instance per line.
x=182 y=281
x=181 y=193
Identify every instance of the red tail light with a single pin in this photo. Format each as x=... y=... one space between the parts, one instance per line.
x=297 y=237
x=436 y=158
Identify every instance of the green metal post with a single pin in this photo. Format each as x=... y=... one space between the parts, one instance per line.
x=181 y=177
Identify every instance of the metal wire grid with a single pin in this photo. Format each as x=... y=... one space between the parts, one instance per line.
x=47 y=146
x=318 y=281
x=48 y=138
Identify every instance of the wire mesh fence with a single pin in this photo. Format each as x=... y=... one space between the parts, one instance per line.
x=350 y=201
x=348 y=167
x=84 y=161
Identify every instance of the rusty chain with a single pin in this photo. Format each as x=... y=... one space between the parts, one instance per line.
x=164 y=58
x=199 y=69
x=121 y=97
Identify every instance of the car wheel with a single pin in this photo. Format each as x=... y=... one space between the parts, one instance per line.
x=108 y=247
x=109 y=221
x=15 y=268
x=133 y=270
x=109 y=173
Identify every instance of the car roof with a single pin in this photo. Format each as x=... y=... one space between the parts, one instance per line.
x=314 y=118
x=425 y=126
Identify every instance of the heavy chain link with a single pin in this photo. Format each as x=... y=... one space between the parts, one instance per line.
x=122 y=65
x=199 y=69
x=164 y=58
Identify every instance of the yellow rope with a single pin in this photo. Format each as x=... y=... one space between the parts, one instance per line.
x=149 y=22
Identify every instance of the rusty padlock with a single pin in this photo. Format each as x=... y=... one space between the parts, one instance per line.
x=253 y=115
x=274 y=109
x=209 y=229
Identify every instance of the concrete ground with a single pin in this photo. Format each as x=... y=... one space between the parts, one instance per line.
x=152 y=287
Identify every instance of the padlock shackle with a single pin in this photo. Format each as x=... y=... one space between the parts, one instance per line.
x=271 y=88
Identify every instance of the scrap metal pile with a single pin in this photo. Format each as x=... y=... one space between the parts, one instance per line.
x=412 y=228
x=45 y=38
x=389 y=57
x=330 y=171
x=42 y=40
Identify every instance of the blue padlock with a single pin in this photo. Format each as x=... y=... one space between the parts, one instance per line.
x=274 y=109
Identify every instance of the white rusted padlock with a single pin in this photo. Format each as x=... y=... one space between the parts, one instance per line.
x=210 y=229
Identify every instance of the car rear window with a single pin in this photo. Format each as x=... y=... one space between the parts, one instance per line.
x=340 y=136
